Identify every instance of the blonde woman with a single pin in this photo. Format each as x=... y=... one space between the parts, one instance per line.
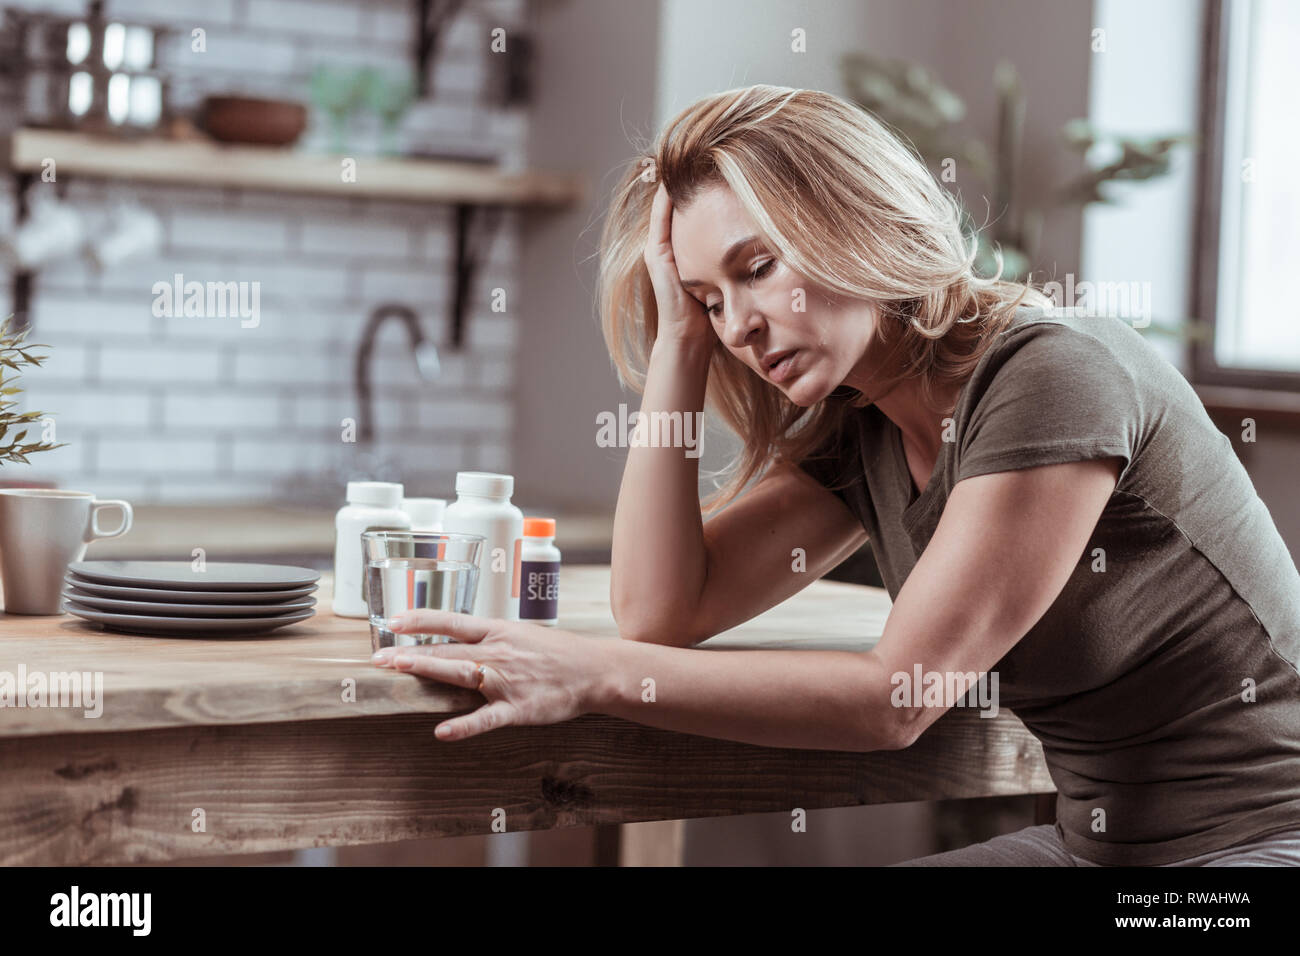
x=1045 y=497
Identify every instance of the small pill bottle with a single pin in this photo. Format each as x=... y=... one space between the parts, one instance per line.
x=539 y=573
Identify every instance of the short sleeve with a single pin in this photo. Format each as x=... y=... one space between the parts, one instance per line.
x=1052 y=394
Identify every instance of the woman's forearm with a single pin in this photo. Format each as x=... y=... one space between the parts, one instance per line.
x=658 y=562
x=812 y=700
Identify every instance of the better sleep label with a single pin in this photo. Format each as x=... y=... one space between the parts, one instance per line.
x=539 y=591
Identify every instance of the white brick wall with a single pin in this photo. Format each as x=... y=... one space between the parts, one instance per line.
x=160 y=454
x=196 y=12
x=69 y=315
x=176 y=408
x=329 y=239
x=225 y=230
x=129 y=364
x=307 y=16
x=79 y=410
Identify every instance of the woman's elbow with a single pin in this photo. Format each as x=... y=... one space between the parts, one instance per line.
x=874 y=736
x=898 y=735
x=886 y=726
x=633 y=618
x=654 y=628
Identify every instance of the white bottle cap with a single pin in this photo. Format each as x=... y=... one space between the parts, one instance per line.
x=484 y=484
x=377 y=494
x=425 y=513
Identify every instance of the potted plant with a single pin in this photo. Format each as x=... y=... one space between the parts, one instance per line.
x=913 y=101
x=16 y=354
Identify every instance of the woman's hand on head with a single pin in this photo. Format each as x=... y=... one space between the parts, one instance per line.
x=533 y=674
x=681 y=316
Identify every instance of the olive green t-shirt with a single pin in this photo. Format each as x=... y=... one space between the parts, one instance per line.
x=1163 y=680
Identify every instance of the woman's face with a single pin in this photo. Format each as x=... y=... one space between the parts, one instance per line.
x=802 y=339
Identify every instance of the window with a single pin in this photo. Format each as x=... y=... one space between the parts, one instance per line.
x=1248 y=248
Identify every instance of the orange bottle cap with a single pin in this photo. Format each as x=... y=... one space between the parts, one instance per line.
x=539 y=527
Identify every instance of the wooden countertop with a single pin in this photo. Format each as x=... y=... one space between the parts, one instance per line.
x=296 y=673
x=256 y=738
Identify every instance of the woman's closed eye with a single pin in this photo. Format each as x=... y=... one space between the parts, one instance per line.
x=762 y=271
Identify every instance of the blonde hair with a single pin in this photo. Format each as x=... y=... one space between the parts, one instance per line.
x=845 y=204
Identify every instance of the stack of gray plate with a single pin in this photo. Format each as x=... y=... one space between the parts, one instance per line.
x=172 y=597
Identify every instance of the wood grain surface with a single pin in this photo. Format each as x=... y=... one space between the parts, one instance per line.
x=132 y=796
x=254 y=733
x=285 y=170
x=299 y=672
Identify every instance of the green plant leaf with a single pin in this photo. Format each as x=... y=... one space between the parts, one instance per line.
x=15 y=354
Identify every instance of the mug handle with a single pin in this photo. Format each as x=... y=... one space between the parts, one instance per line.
x=96 y=506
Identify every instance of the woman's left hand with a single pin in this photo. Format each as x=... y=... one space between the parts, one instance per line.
x=534 y=674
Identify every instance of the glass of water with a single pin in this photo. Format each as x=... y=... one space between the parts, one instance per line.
x=413 y=570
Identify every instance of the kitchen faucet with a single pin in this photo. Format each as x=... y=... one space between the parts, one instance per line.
x=426 y=361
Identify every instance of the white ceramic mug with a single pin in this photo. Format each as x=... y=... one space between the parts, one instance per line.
x=52 y=230
x=42 y=531
x=133 y=230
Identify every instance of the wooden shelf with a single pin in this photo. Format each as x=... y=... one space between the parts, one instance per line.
x=285 y=170
x=478 y=192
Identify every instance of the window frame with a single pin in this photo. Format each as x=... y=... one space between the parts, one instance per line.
x=1204 y=368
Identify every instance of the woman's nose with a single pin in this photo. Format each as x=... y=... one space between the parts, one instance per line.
x=743 y=322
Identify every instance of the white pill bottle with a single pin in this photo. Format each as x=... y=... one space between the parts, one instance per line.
x=372 y=506
x=425 y=513
x=482 y=506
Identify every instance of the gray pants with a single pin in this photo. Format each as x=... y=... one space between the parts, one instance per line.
x=1041 y=846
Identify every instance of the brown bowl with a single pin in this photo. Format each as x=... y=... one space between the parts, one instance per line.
x=245 y=119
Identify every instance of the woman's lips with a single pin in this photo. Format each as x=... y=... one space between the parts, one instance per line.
x=783 y=369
